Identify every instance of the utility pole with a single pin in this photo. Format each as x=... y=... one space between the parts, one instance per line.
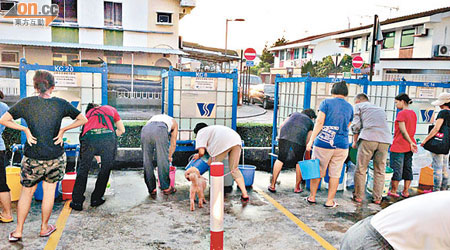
x=372 y=52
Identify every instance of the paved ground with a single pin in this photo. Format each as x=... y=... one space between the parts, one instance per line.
x=130 y=219
x=255 y=114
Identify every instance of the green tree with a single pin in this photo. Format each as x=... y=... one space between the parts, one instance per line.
x=325 y=67
x=309 y=67
x=346 y=64
x=266 y=55
x=280 y=41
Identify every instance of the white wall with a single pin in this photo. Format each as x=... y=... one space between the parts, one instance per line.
x=326 y=48
x=134 y=39
x=91 y=36
x=135 y=14
x=90 y=13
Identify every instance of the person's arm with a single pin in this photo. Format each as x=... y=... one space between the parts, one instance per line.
x=173 y=140
x=308 y=137
x=79 y=121
x=317 y=128
x=405 y=135
x=434 y=131
x=200 y=154
x=7 y=121
x=355 y=140
x=120 y=128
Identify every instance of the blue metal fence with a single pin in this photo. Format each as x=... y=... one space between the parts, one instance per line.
x=298 y=93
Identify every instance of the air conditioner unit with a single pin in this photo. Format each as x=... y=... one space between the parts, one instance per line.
x=442 y=50
x=420 y=30
x=345 y=43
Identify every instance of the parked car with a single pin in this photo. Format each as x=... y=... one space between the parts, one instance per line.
x=263 y=94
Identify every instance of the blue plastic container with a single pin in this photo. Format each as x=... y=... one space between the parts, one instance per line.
x=341 y=179
x=248 y=171
x=310 y=169
x=308 y=184
x=39 y=193
x=200 y=164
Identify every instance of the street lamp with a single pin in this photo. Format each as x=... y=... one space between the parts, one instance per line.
x=226 y=31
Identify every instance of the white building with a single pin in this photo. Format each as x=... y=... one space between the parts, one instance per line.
x=412 y=49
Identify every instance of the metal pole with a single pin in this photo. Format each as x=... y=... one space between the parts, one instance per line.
x=132 y=73
x=216 y=205
x=226 y=44
x=336 y=67
x=374 y=33
x=79 y=57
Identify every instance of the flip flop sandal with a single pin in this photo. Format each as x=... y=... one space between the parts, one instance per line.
x=49 y=232
x=171 y=190
x=310 y=202
x=395 y=195
x=3 y=220
x=298 y=190
x=405 y=196
x=154 y=192
x=272 y=190
x=245 y=199
x=335 y=204
x=11 y=238
x=376 y=202
x=356 y=199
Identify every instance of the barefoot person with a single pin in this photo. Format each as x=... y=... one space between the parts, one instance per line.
x=44 y=157
x=294 y=135
x=5 y=197
x=220 y=141
x=98 y=138
x=155 y=142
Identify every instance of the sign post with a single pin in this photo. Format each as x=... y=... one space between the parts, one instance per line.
x=357 y=63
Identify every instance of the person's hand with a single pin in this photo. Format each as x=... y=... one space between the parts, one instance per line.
x=196 y=157
x=354 y=145
x=59 y=139
x=30 y=138
x=170 y=158
x=414 y=147
x=309 y=146
x=423 y=144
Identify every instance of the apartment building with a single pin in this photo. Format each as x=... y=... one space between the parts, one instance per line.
x=415 y=47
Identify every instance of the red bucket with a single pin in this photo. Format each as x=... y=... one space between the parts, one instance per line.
x=67 y=185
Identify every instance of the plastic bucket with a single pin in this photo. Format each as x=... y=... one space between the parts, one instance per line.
x=248 y=171
x=310 y=169
x=67 y=185
x=341 y=179
x=426 y=180
x=13 y=182
x=172 y=173
x=200 y=164
x=387 y=180
x=308 y=184
x=39 y=193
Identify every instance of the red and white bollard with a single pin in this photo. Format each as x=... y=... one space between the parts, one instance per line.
x=216 y=205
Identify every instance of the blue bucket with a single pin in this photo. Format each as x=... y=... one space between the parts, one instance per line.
x=39 y=193
x=310 y=169
x=341 y=179
x=308 y=185
x=248 y=171
x=200 y=164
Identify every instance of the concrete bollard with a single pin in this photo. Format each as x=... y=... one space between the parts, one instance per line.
x=216 y=205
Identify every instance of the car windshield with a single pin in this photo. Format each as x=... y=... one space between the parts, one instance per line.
x=269 y=89
x=254 y=80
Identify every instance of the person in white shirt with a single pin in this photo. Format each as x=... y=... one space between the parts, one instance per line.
x=420 y=222
x=155 y=140
x=220 y=141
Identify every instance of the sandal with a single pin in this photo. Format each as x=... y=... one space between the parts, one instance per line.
x=356 y=199
x=395 y=195
x=154 y=192
x=376 y=202
x=272 y=190
x=12 y=238
x=245 y=200
x=335 y=204
x=171 y=190
x=52 y=229
x=310 y=202
x=298 y=190
x=405 y=195
x=3 y=220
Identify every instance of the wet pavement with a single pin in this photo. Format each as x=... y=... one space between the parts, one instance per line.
x=131 y=219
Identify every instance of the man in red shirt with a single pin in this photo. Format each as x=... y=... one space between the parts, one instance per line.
x=403 y=146
x=98 y=137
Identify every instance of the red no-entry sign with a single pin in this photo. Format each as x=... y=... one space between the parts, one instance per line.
x=357 y=62
x=250 y=54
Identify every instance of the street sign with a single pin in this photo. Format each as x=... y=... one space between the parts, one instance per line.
x=250 y=54
x=357 y=71
x=357 y=62
x=249 y=63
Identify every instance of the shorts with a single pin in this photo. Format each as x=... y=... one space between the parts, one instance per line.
x=35 y=171
x=284 y=146
x=333 y=159
x=401 y=163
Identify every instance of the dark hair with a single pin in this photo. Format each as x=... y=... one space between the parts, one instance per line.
x=362 y=97
x=91 y=106
x=310 y=113
x=43 y=81
x=340 y=88
x=199 y=126
x=2 y=95
x=404 y=97
x=446 y=104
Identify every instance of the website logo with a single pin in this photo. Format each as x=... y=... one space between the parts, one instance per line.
x=206 y=109
x=31 y=14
